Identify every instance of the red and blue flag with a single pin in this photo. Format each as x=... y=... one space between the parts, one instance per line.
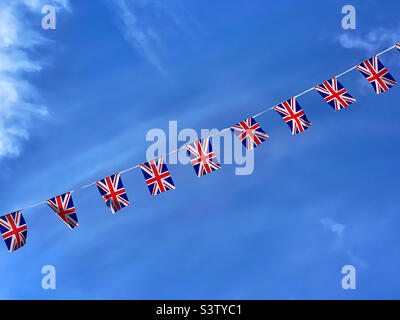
x=64 y=207
x=335 y=94
x=377 y=74
x=292 y=113
x=250 y=133
x=203 y=158
x=113 y=192
x=14 y=230
x=157 y=176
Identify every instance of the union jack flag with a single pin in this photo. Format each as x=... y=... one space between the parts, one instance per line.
x=293 y=115
x=335 y=94
x=203 y=159
x=250 y=133
x=376 y=73
x=14 y=230
x=113 y=192
x=63 y=206
x=398 y=46
x=157 y=176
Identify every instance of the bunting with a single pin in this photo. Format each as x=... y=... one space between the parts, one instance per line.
x=377 y=74
x=292 y=113
x=113 y=192
x=64 y=207
x=203 y=159
x=14 y=230
x=157 y=176
x=250 y=133
x=335 y=94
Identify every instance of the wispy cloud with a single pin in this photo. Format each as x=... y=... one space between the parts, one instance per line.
x=139 y=20
x=371 y=41
x=356 y=259
x=333 y=226
x=19 y=101
x=34 y=5
x=338 y=229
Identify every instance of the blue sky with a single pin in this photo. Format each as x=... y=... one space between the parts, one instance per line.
x=76 y=104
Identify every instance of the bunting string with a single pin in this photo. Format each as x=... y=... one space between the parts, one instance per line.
x=13 y=226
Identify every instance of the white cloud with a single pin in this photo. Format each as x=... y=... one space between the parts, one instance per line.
x=34 y=5
x=338 y=230
x=356 y=259
x=139 y=19
x=371 y=41
x=18 y=98
x=333 y=226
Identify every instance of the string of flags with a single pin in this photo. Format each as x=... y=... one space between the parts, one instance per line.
x=157 y=176
x=158 y=179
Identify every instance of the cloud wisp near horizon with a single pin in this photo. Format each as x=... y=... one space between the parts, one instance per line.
x=20 y=101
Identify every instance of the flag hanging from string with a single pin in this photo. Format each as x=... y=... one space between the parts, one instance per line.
x=292 y=113
x=249 y=133
x=203 y=158
x=14 y=230
x=157 y=176
x=64 y=207
x=377 y=74
x=335 y=94
x=113 y=192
